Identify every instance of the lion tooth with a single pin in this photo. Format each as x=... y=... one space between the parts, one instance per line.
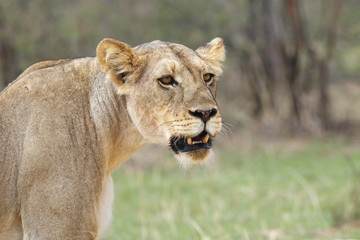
x=189 y=141
x=206 y=138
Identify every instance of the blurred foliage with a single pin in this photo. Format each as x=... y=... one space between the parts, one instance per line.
x=43 y=29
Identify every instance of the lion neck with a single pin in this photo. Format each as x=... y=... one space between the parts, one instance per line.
x=118 y=136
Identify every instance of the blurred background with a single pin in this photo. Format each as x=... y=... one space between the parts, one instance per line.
x=287 y=165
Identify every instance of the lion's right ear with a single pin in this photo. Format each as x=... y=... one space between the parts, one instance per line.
x=117 y=59
x=213 y=53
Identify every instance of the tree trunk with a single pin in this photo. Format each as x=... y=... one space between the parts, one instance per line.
x=292 y=63
x=324 y=99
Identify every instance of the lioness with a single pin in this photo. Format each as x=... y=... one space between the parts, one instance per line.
x=66 y=125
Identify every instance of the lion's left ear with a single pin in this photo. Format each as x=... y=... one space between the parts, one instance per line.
x=117 y=59
x=213 y=52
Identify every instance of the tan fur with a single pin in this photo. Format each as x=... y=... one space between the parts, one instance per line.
x=65 y=125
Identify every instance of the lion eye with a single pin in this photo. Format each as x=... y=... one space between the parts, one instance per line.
x=208 y=77
x=167 y=80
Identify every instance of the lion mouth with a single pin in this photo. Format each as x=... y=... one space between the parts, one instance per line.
x=187 y=144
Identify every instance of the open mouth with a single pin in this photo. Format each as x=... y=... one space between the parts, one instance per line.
x=187 y=144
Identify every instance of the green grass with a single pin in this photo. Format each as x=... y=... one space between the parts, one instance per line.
x=310 y=193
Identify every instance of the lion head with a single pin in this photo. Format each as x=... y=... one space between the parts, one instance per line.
x=170 y=92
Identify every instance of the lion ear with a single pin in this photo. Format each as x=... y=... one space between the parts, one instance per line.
x=213 y=52
x=117 y=59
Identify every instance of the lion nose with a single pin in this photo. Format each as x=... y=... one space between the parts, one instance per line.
x=204 y=115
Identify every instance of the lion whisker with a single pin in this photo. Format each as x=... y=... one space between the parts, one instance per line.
x=226 y=130
x=164 y=123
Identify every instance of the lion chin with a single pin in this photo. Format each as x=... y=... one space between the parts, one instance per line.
x=197 y=157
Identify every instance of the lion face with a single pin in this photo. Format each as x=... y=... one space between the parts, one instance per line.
x=170 y=92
